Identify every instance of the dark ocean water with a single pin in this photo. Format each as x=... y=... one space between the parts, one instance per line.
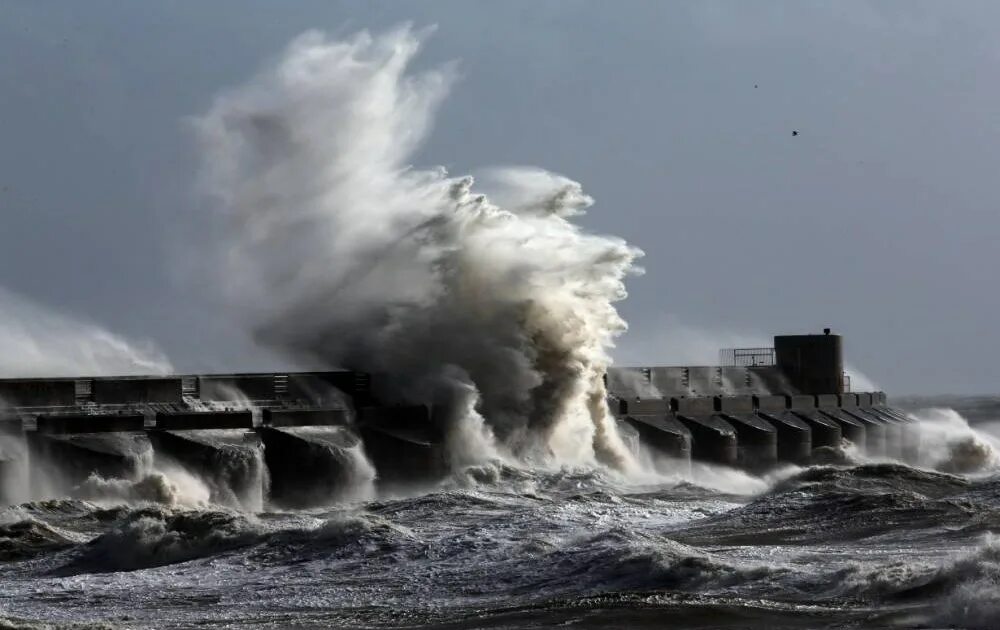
x=866 y=545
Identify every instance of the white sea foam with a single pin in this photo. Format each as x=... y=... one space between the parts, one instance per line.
x=338 y=252
x=948 y=443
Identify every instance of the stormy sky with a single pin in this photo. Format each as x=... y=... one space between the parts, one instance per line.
x=878 y=219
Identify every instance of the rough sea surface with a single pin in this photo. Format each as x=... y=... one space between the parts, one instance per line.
x=865 y=545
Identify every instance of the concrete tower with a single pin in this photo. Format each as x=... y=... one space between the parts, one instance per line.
x=813 y=364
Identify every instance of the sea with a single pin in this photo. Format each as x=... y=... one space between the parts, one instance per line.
x=861 y=544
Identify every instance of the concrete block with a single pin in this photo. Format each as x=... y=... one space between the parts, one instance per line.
x=121 y=391
x=770 y=380
x=70 y=459
x=311 y=465
x=401 y=459
x=803 y=402
x=865 y=400
x=698 y=406
x=712 y=439
x=38 y=392
x=194 y=420
x=756 y=441
x=670 y=381
x=850 y=429
x=306 y=417
x=409 y=420
x=734 y=404
x=813 y=363
x=236 y=387
x=776 y=404
x=895 y=429
x=848 y=401
x=704 y=381
x=645 y=406
x=875 y=431
x=827 y=401
x=229 y=461
x=794 y=436
x=329 y=389
x=825 y=432
x=84 y=423
x=736 y=381
x=664 y=434
x=631 y=382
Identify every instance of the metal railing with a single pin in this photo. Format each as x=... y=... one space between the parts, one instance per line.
x=746 y=357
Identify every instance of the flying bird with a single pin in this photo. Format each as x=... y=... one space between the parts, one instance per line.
x=795 y=133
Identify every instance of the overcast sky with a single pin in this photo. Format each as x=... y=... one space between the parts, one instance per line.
x=879 y=219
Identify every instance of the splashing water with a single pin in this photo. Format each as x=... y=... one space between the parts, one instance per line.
x=949 y=444
x=342 y=254
x=35 y=341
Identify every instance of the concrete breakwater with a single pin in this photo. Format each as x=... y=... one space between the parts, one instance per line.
x=296 y=439
x=757 y=432
x=290 y=439
x=759 y=407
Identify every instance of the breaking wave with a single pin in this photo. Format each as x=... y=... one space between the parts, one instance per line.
x=497 y=309
x=154 y=537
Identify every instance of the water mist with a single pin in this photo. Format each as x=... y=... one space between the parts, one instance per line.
x=339 y=253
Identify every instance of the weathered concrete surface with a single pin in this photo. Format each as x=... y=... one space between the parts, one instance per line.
x=136 y=390
x=757 y=441
x=704 y=380
x=736 y=381
x=631 y=383
x=13 y=464
x=236 y=387
x=670 y=381
x=228 y=460
x=330 y=389
x=403 y=457
x=195 y=420
x=90 y=423
x=734 y=404
x=404 y=444
x=825 y=432
x=771 y=404
x=875 y=431
x=903 y=434
x=71 y=458
x=643 y=406
x=38 y=392
x=664 y=434
x=405 y=418
x=802 y=402
x=794 y=436
x=827 y=401
x=313 y=466
x=712 y=438
x=306 y=417
x=851 y=430
x=812 y=363
x=848 y=400
x=693 y=406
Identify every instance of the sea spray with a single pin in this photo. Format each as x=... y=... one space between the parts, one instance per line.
x=228 y=462
x=949 y=444
x=14 y=480
x=339 y=253
x=37 y=341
